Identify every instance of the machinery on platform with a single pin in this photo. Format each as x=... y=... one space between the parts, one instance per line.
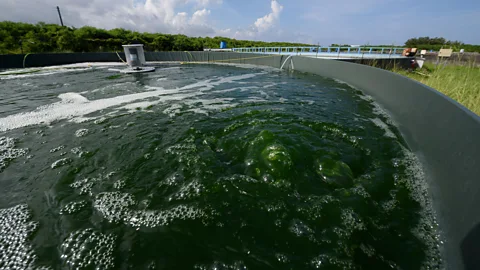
x=135 y=56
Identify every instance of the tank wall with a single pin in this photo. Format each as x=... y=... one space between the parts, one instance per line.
x=442 y=133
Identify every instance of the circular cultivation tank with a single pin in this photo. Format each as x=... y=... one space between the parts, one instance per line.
x=229 y=166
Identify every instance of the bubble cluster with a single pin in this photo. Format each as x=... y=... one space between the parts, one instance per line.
x=157 y=218
x=57 y=149
x=85 y=185
x=88 y=249
x=189 y=191
x=325 y=261
x=76 y=150
x=119 y=184
x=61 y=162
x=186 y=153
x=15 y=229
x=81 y=132
x=100 y=121
x=299 y=228
x=282 y=258
x=351 y=221
x=8 y=151
x=114 y=205
x=73 y=207
x=238 y=265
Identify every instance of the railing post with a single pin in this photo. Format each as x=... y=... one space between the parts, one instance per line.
x=383 y=50
x=395 y=51
x=370 y=51
x=349 y=49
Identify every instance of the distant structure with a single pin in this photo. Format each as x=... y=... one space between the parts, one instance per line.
x=60 y=15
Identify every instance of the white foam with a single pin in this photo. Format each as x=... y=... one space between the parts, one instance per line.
x=81 y=132
x=57 y=149
x=42 y=72
x=140 y=105
x=173 y=110
x=379 y=123
x=342 y=82
x=116 y=86
x=60 y=163
x=74 y=105
x=270 y=85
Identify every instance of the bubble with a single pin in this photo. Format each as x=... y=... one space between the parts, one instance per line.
x=282 y=258
x=73 y=207
x=114 y=206
x=15 y=229
x=189 y=191
x=85 y=185
x=325 y=261
x=217 y=265
x=119 y=184
x=61 y=147
x=334 y=172
x=276 y=155
x=299 y=228
x=351 y=220
x=157 y=218
x=8 y=152
x=76 y=150
x=81 y=132
x=61 y=162
x=87 y=249
x=174 y=179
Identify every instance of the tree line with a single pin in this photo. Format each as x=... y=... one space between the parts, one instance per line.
x=437 y=43
x=16 y=37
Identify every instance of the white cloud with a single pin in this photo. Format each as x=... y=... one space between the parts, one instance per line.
x=164 y=16
x=189 y=17
x=205 y=3
x=263 y=24
x=200 y=17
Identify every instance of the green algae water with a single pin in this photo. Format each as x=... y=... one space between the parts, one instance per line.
x=205 y=167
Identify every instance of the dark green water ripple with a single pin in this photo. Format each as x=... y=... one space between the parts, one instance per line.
x=276 y=171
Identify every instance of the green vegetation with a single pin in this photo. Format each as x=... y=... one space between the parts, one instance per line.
x=437 y=43
x=459 y=82
x=41 y=37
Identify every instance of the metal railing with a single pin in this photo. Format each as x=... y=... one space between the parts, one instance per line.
x=322 y=50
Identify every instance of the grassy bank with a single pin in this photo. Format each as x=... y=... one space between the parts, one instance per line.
x=461 y=83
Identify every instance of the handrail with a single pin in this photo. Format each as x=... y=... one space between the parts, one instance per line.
x=290 y=56
x=318 y=49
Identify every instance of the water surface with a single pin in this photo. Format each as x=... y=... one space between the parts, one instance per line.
x=205 y=167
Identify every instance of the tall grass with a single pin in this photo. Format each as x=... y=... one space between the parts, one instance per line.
x=459 y=82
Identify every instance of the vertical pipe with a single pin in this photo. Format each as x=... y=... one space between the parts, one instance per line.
x=60 y=15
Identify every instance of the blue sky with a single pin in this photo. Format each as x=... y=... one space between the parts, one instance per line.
x=308 y=21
